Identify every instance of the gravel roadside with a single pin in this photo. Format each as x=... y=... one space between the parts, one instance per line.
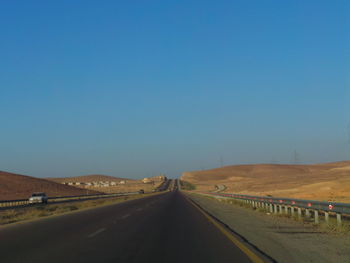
x=283 y=239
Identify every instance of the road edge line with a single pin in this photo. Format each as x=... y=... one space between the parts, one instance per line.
x=245 y=249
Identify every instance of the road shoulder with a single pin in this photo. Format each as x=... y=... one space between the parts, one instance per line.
x=282 y=239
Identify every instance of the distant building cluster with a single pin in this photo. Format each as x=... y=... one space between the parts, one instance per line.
x=153 y=179
x=96 y=183
x=146 y=180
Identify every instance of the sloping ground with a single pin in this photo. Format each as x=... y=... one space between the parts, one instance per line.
x=15 y=186
x=328 y=181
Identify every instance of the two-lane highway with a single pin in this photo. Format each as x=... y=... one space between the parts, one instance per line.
x=160 y=228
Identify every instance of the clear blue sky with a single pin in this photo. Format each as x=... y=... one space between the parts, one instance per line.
x=138 y=88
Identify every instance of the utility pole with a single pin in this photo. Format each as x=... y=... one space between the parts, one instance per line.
x=221 y=161
x=296 y=158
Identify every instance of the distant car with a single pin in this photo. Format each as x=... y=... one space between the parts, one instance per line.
x=141 y=191
x=38 y=198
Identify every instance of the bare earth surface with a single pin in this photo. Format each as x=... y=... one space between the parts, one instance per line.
x=15 y=186
x=283 y=239
x=327 y=182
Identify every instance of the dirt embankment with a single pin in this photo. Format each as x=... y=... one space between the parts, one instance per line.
x=16 y=186
x=328 y=181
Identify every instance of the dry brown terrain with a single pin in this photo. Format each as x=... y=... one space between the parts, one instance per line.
x=327 y=181
x=15 y=186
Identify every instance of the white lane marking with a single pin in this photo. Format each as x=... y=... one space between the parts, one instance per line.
x=96 y=232
x=125 y=216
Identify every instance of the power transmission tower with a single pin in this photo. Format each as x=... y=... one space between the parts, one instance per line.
x=296 y=157
x=221 y=161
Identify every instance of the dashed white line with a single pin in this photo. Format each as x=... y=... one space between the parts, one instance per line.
x=125 y=216
x=96 y=232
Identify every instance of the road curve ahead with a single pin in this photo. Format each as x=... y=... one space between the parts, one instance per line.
x=162 y=228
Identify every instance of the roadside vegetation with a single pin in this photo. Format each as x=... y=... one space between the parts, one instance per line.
x=39 y=211
x=187 y=185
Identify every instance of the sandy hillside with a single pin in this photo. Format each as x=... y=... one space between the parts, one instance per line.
x=15 y=186
x=327 y=181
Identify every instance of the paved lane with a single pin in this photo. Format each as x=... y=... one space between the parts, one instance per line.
x=162 y=228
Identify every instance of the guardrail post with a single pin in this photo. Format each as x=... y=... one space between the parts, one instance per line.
x=286 y=209
x=316 y=217
x=326 y=217
x=307 y=213
x=280 y=209
x=271 y=208
x=292 y=210
x=338 y=219
x=299 y=212
x=275 y=206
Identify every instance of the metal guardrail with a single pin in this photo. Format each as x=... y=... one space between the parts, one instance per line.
x=6 y=204
x=289 y=205
x=57 y=199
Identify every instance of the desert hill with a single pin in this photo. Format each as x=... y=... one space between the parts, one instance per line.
x=326 y=181
x=16 y=186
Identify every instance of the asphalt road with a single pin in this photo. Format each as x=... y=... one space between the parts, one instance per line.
x=161 y=228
